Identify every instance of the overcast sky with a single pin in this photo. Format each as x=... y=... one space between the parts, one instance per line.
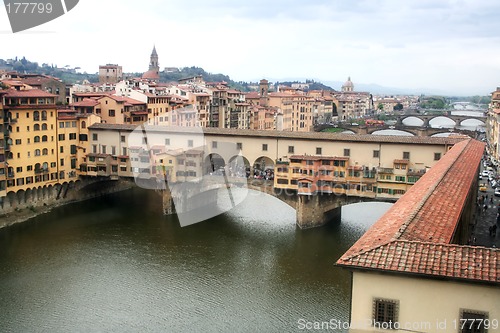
x=451 y=46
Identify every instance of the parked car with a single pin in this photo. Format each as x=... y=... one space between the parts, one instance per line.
x=493 y=183
x=497 y=192
x=485 y=173
x=483 y=188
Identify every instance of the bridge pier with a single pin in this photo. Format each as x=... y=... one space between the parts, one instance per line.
x=317 y=210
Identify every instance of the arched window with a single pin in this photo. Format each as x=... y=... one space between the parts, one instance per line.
x=45 y=166
x=44 y=127
x=84 y=125
x=37 y=139
x=45 y=151
x=37 y=152
x=36 y=127
x=44 y=138
x=44 y=115
x=36 y=115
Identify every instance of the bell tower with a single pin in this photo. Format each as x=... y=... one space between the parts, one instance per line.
x=153 y=61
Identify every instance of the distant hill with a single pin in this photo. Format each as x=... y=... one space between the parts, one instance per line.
x=67 y=74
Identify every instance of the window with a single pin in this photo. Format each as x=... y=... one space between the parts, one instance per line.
x=214 y=144
x=264 y=147
x=18 y=141
x=36 y=139
x=124 y=151
x=73 y=149
x=239 y=145
x=473 y=321
x=45 y=151
x=94 y=137
x=122 y=138
x=190 y=143
x=84 y=124
x=111 y=113
x=437 y=156
x=61 y=124
x=318 y=150
x=44 y=127
x=376 y=153
x=61 y=162
x=37 y=152
x=347 y=152
x=19 y=169
x=400 y=178
x=325 y=162
x=167 y=142
x=45 y=138
x=72 y=136
x=113 y=150
x=103 y=147
x=406 y=155
x=291 y=149
x=94 y=149
x=61 y=137
x=36 y=127
x=385 y=312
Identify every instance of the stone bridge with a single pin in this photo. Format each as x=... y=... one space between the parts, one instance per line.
x=197 y=201
x=427 y=118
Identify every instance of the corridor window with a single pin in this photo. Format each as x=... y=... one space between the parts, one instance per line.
x=473 y=321
x=347 y=152
x=406 y=155
x=437 y=156
x=385 y=312
x=291 y=149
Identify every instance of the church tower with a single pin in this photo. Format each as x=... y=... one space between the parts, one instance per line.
x=153 y=62
x=153 y=74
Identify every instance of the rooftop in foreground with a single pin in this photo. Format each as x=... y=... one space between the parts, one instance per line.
x=415 y=235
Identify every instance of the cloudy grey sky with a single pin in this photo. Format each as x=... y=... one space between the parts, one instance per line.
x=451 y=46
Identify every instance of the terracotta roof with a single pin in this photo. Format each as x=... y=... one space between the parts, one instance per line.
x=28 y=93
x=322 y=136
x=444 y=260
x=415 y=234
x=86 y=102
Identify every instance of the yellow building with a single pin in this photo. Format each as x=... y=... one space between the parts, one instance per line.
x=3 y=178
x=30 y=133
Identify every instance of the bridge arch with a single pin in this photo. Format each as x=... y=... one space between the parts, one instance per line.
x=213 y=162
x=239 y=166
x=262 y=166
x=396 y=131
x=412 y=119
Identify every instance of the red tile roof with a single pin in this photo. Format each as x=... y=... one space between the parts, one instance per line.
x=86 y=102
x=415 y=234
x=28 y=93
x=445 y=260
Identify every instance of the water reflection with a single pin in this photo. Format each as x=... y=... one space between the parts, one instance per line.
x=115 y=264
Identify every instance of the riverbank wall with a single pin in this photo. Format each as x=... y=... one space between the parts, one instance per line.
x=24 y=205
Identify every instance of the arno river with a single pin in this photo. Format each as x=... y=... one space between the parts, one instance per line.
x=115 y=264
